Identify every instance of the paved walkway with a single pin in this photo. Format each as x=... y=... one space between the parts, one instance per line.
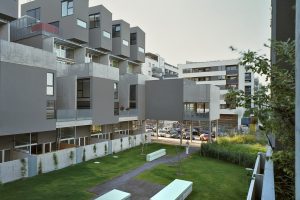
x=140 y=190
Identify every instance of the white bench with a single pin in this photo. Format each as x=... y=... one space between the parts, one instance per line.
x=115 y=195
x=177 y=190
x=156 y=154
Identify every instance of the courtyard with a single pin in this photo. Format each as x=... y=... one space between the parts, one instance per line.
x=212 y=179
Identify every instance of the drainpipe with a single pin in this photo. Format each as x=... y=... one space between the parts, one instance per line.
x=297 y=104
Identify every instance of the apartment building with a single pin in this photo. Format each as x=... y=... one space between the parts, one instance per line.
x=156 y=66
x=77 y=84
x=224 y=74
x=71 y=76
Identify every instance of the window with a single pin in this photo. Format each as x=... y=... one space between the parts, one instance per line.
x=81 y=23
x=50 y=114
x=116 y=91
x=125 y=42
x=142 y=50
x=106 y=34
x=50 y=84
x=67 y=8
x=35 y=13
x=132 y=38
x=231 y=68
x=116 y=108
x=83 y=88
x=132 y=96
x=247 y=90
x=56 y=24
x=94 y=20
x=116 y=30
x=248 y=77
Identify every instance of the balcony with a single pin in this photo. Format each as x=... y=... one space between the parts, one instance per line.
x=73 y=115
x=232 y=81
x=232 y=72
x=192 y=115
x=128 y=115
x=27 y=26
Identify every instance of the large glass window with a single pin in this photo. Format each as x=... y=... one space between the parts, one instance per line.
x=116 y=91
x=142 y=50
x=35 y=13
x=50 y=114
x=132 y=96
x=132 y=38
x=247 y=77
x=56 y=24
x=116 y=30
x=95 y=20
x=81 y=23
x=67 y=8
x=116 y=108
x=231 y=68
x=50 y=84
x=106 y=34
x=83 y=94
x=125 y=42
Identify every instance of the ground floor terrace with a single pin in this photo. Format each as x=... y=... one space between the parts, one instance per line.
x=129 y=171
x=12 y=146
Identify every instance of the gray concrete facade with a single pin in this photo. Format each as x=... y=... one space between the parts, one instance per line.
x=137 y=45
x=51 y=11
x=8 y=9
x=121 y=43
x=98 y=35
x=172 y=94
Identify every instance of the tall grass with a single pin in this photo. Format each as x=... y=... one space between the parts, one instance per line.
x=241 y=150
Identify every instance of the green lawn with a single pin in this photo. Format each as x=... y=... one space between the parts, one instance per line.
x=212 y=179
x=73 y=182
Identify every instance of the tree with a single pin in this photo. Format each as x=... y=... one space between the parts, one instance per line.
x=275 y=108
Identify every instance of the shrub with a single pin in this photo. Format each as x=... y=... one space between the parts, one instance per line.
x=240 y=139
x=23 y=167
x=83 y=156
x=71 y=156
x=240 y=154
x=55 y=161
x=40 y=170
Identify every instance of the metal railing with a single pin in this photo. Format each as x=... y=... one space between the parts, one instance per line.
x=128 y=113
x=262 y=182
x=27 y=26
x=73 y=115
x=192 y=115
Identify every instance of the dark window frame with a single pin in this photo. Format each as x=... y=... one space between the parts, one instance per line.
x=69 y=8
x=51 y=109
x=95 y=23
x=35 y=13
x=133 y=38
x=115 y=32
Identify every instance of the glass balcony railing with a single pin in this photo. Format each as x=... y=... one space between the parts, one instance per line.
x=128 y=113
x=192 y=115
x=73 y=115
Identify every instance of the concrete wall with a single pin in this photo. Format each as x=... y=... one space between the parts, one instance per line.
x=13 y=170
x=5 y=32
x=118 y=47
x=67 y=93
x=45 y=162
x=214 y=103
x=50 y=11
x=96 y=37
x=23 y=99
x=8 y=9
x=91 y=151
x=103 y=101
x=195 y=93
x=164 y=99
x=135 y=54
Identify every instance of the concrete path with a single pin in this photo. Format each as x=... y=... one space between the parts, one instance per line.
x=139 y=190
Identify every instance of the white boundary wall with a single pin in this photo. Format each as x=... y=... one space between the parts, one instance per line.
x=97 y=150
x=13 y=170
x=45 y=162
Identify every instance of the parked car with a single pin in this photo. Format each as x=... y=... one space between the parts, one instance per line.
x=162 y=133
x=204 y=137
x=174 y=134
x=187 y=136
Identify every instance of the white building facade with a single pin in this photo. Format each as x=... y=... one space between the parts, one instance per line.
x=225 y=74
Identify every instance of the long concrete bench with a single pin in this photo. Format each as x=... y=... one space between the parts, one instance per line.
x=177 y=190
x=115 y=195
x=156 y=154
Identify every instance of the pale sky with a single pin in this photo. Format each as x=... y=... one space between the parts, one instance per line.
x=197 y=30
